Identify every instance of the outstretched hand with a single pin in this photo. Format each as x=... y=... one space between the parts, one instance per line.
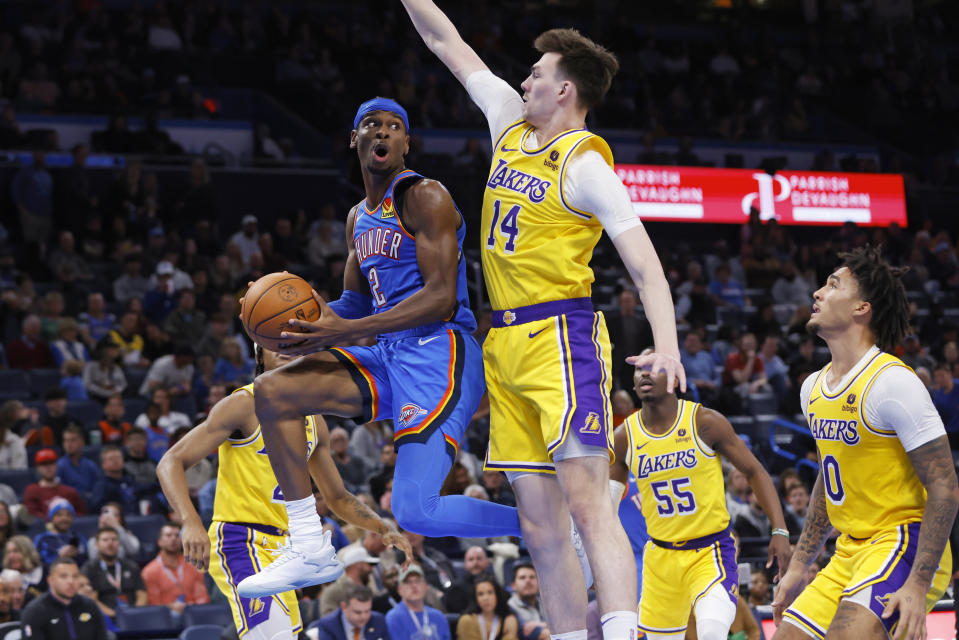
x=657 y=362
x=400 y=542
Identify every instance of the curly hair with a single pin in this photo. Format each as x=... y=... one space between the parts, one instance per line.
x=880 y=285
x=23 y=544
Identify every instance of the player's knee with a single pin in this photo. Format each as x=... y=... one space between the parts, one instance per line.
x=270 y=396
x=413 y=508
x=707 y=629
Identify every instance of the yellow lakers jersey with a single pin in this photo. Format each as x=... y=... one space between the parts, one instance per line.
x=680 y=478
x=868 y=479
x=246 y=489
x=536 y=247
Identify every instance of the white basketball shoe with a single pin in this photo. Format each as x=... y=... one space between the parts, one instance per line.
x=293 y=568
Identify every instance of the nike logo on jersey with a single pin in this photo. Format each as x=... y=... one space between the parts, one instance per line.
x=811 y=400
x=506 y=149
x=533 y=334
x=423 y=341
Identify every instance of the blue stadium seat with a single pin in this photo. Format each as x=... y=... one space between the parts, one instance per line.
x=184 y=404
x=88 y=412
x=133 y=407
x=86 y=526
x=17 y=479
x=147 y=530
x=153 y=619
x=201 y=614
x=13 y=385
x=202 y=632
x=452 y=619
x=42 y=379
x=92 y=451
x=762 y=403
x=135 y=376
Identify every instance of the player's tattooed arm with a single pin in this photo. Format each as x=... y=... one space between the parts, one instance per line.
x=816 y=528
x=933 y=465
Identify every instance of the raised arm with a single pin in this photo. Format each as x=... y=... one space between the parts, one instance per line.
x=442 y=38
x=343 y=503
x=714 y=429
x=232 y=413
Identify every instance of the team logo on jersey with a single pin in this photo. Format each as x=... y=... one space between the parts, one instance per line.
x=834 y=429
x=388 y=211
x=509 y=317
x=410 y=412
x=591 y=425
x=84 y=617
x=518 y=181
x=256 y=606
x=647 y=465
x=287 y=292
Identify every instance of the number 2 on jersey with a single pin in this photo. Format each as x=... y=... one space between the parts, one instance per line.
x=508 y=227
x=375 y=287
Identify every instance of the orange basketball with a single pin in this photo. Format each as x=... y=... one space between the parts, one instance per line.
x=271 y=302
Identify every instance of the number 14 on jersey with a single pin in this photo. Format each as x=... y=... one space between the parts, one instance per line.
x=508 y=228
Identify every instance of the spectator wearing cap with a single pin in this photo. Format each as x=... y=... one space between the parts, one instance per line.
x=354 y=619
x=60 y=540
x=412 y=617
x=74 y=469
x=173 y=372
x=116 y=580
x=247 y=239
x=132 y=284
x=13 y=453
x=172 y=581
x=104 y=377
x=357 y=570
x=95 y=322
x=114 y=483
x=180 y=279
x=29 y=351
x=53 y=421
x=38 y=496
x=186 y=324
x=160 y=301
x=67 y=346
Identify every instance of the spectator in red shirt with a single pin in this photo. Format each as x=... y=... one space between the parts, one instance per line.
x=29 y=351
x=38 y=495
x=170 y=580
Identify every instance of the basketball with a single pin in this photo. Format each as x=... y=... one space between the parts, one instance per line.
x=271 y=302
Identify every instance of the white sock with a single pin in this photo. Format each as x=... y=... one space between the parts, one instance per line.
x=619 y=625
x=305 y=524
x=570 y=635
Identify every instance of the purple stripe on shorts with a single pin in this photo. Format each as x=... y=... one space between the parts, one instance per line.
x=806 y=621
x=897 y=577
x=727 y=573
x=237 y=546
x=589 y=421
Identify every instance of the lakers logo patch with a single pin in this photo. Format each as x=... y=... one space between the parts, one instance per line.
x=509 y=317
x=410 y=412
x=256 y=606
x=388 y=211
x=591 y=425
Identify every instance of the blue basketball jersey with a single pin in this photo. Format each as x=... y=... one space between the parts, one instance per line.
x=386 y=252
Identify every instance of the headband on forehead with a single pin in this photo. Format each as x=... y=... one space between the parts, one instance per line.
x=381 y=104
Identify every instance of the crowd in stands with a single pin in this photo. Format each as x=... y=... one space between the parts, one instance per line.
x=838 y=71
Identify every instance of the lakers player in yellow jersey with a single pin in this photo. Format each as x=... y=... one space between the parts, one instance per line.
x=673 y=449
x=550 y=194
x=249 y=517
x=886 y=479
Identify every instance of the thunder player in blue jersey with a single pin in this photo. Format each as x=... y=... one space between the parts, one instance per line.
x=405 y=284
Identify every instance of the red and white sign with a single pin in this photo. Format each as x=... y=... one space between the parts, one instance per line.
x=689 y=194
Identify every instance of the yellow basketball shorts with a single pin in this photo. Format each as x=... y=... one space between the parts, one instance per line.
x=240 y=550
x=548 y=377
x=865 y=571
x=675 y=579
